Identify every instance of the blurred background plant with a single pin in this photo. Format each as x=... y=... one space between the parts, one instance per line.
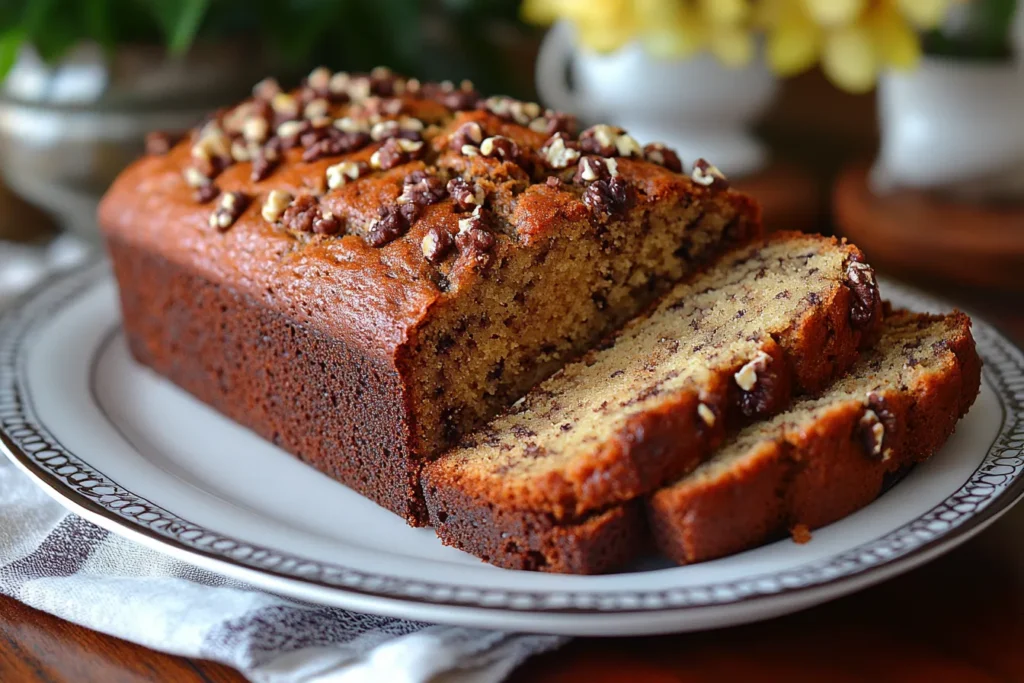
x=431 y=39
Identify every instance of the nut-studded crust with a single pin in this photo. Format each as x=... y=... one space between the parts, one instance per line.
x=817 y=471
x=469 y=512
x=301 y=315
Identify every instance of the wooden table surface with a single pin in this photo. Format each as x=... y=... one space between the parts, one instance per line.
x=959 y=618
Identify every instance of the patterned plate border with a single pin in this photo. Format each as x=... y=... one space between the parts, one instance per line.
x=994 y=486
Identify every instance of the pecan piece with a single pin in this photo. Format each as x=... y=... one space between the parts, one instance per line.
x=473 y=238
x=394 y=152
x=468 y=134
x=591 y=168
x=709 y=176
x=500 y=147
x=229 y=208
x=422 y=189
x=305 y=214
x=390 y=224
x=436 y=245
x=611 y=197
x=467 y=196
x=658 y=153
x=861 y=280
x=560 y=152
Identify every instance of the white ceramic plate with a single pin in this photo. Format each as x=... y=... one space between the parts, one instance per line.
x=129 y=451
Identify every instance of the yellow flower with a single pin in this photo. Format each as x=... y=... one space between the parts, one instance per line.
x=853 y=39
x=666 y=28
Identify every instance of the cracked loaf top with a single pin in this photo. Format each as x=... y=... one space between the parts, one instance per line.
x=389 y=194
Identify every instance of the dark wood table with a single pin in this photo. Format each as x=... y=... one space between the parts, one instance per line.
x=960 y=618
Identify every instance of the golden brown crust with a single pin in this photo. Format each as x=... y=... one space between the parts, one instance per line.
x=378 y=303
x=814 y=473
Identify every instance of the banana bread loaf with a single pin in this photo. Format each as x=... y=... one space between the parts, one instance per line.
x=542 y=486
x=827 y=456
x=365 y=268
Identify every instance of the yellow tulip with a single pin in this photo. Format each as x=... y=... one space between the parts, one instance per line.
x=853 y=40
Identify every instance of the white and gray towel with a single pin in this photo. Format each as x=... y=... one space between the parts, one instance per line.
x=57 y=562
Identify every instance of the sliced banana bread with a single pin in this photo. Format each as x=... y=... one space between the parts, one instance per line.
x=365 y=267
x=784 y=314
x=826 y=457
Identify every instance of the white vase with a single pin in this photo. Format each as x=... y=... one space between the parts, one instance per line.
x=698 y=106
x=952 y=126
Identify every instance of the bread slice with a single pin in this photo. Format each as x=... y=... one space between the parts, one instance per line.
x=826 y=457
x=535 y=488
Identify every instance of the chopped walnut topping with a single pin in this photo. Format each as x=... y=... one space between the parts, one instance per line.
x=255 y=129
x=229 y=208
x=358 y=88
x=708 y=175
x=473 y=237
x=390 y=224
x=319 y=80
x=872 y=433
x=706 y=415
x=600 y=140
x=334 y=144
x=275 y=204
x=558 y=153
x=592 y=168
x=500 y=146
x=285 y=106
x=610 y=196
x=458 y=99
x=512 y=109
x=861 y=281
x=627 y=146
x=316 y=109
x=345 y=172
x=554 y=182
x=292 y=129
x=241 y=152
x=554 y=122
x=304 y=214
x=264 y=162
x=469 y=134
x=266 y=89
x=466 y=195
x=382 y=130
x=159 y=143
x=658 y=153
x=347 y=124
x=609 y=141
x=194 y=177
x=746 y=376
x=338 y=84
x=212 y=150
x=383 y=81
x=206 y=193
x=394 y=152
x=422 y=189
x=436 y=244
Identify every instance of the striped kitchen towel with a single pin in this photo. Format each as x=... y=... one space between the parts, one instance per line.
x=57 y=562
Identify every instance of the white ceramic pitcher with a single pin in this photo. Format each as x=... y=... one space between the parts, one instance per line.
x=955 y=126
x=698 y=106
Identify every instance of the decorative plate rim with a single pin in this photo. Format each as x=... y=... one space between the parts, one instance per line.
x=991 y=489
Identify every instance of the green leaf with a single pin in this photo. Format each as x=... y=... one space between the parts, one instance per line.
x=97 y=20
x=10 y=45
x=180 y=20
